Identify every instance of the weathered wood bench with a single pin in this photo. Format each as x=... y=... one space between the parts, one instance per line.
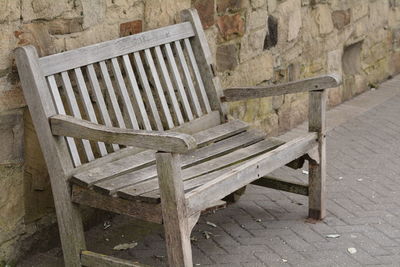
x=136 y=126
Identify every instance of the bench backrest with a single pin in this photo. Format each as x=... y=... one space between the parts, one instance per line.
x=155 y=80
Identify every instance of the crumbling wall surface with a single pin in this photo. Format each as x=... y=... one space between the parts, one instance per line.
x=254 y=42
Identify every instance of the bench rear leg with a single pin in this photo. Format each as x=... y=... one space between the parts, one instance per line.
x=317 y=167
x=176 y=223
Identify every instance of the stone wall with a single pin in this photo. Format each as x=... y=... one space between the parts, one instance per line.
x=254 y=42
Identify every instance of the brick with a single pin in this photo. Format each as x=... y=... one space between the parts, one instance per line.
x=129 y=28
x=206 y=10
x=230 y=26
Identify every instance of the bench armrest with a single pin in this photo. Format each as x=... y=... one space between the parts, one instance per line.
x=310 y=84
x=64 y=125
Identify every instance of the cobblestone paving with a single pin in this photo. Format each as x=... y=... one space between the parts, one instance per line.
x=269 y=228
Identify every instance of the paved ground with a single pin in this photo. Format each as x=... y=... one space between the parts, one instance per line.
x=268 y=227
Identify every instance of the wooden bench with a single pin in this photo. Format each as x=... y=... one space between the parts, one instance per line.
x=136 y=126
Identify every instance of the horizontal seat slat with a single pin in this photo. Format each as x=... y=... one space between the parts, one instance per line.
x=246 y=173
x=114 y=48
x=111 y=185
x=144 y=191
x=145 y=158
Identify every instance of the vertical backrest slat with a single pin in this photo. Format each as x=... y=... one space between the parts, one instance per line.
x=188 y=78
x=178 y=81
x=159 y=89
x=111 y=92
x=124 y=93
x=61 y=110
x=205 y=62
x=136 y=92
x=87 y=104
x=94 y=83
x=73 y=105
x=149 y=94
x=197 y=74
x=168 y=84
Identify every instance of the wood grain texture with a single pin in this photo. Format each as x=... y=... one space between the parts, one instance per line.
x=205 y=61
x=176 y=223
x=139 y=210
x=92 y=259
x=317 y=169
x=255 y=168
x=165 y=141
x=311 y=84
x=114 y=48
x=55 y=152
x=279 y=184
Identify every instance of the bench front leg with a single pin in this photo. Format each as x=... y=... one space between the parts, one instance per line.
x=173 y=204
x=317 y=168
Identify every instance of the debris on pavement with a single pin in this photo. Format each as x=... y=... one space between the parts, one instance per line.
x=333 y=236
x=207 y=234
x=284 y=260
x=125 y=246
x=352 y=250
x=211 y=224
x=106 y=224
x=304 y=172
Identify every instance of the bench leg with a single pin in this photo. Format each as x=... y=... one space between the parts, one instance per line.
x=317 y=168
x=176 y=223
x=69 y=225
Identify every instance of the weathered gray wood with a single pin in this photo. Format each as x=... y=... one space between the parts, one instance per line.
x=55 y=152
x=160 y=91
x=92 y=259
x=139 y=210
x=60 y=110
x=114 y=48
x=168 y=84
x=73 y=105
x=148 y=189
x=165 y=141
x=317 y=170
x=178 y=81
x=197 y=74
x=105 y=116
x=111 y=92
x=124 y=93
x=143 y=159
x=176 y=224
x=205 y=61
x=191 y=90
x=198 y=198
x=136 y=92
x=310 y=84
x=149 y=94
x=87 y=105
x=279 y=184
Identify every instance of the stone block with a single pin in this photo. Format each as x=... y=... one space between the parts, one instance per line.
x=257 y=20
x=206 y=10
x=9 y=10
x=93 y=12
x=272 y=4
x=93 y=35
x=122 y=11
x=258 y=3
x=250 y=73
x=11 y=137
x=378 y=14
x=65 y=26
x=226 y=57
x=358 y=11
x=159 y=13
x=289 y=19
x=48 y=9
x=36 y=34
x=129 y=28
x=252 y=44
x=11 y=99
x=294 y=24
x=231 y=26
x=322 y=15
x=341 y=18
